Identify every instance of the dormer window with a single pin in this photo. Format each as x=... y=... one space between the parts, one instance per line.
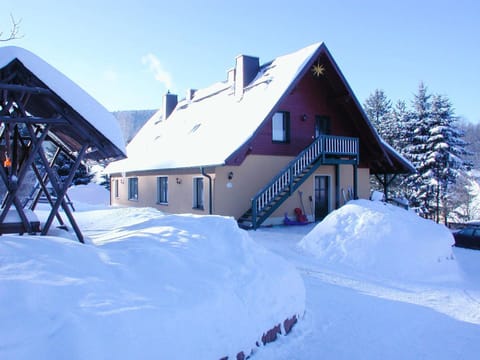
x=281 y=127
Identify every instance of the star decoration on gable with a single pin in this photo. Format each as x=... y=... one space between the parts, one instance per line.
x=318 y=69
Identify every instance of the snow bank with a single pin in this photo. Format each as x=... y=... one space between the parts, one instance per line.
x=90 y=195
x=147 y=286
x=385 y=240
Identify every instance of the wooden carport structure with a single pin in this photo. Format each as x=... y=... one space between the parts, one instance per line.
x=40 y=108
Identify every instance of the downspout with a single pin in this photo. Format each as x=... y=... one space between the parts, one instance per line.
x=202 y=170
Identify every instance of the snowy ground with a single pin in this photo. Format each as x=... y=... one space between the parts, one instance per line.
x=357 y=315
x=377 y=283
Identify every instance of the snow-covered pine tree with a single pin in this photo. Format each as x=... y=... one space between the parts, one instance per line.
x=445 y=152
x=464 y=199
x=401 y=127
x=378 y=109
x=472 y=138
x=419 y=187
x=63 y=165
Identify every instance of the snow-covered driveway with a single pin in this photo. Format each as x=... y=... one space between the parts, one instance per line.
x=351 y=315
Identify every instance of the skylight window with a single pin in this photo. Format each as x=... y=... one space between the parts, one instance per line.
x=195 y=128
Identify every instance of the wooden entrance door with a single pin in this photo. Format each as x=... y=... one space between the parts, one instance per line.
x=321 y=197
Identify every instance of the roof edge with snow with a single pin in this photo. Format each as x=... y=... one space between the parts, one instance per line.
x=70 y=93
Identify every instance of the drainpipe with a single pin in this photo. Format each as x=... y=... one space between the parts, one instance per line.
x=202 y=170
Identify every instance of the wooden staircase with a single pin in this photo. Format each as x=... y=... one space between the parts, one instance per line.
x=324 y=150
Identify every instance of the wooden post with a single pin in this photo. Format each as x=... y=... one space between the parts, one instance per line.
x=13 y=184
x=355 y=181
x=337 y=186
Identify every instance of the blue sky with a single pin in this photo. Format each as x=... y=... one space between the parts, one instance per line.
x=127 y=54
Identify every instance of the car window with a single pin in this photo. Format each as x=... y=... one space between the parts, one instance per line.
x=467 y=232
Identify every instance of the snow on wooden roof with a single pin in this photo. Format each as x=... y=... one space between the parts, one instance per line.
x=206 y=129
x=107 y=127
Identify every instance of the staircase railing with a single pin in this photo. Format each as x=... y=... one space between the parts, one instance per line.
x=285 y=180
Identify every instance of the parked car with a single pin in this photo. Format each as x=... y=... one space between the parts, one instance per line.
x=468 y=237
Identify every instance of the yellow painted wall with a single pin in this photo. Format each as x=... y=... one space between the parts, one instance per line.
x=232 y=197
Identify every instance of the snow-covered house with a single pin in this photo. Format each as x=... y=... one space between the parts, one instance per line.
x=42 y=110
x=270 y=138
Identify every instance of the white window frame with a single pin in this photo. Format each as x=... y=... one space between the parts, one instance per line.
x=133 y=188
x=280 y=127
x=198 y=199
x=116 y=189
x=162 y=190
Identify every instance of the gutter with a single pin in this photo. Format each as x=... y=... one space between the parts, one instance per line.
x=202 y=170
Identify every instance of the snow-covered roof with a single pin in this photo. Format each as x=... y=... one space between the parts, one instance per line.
x=395 y=154
x=208 y=128
x=86 y=106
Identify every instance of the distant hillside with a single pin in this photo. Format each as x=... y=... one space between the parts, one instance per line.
x=131 y=121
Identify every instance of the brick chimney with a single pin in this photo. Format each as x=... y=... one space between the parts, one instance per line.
x=246 y=69
x=169 y=103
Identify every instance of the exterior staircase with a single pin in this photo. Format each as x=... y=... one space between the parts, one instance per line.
x=325 y=150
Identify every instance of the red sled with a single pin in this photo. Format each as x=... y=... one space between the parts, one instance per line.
x=301 y=218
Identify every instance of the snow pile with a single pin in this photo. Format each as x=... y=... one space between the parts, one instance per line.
x=377 y=238
x=89 y=195
x=146 y=285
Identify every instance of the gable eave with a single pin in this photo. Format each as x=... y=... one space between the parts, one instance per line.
x=53 y=95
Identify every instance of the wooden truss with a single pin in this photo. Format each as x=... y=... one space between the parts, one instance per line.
x=23 y=142
x=24 y=152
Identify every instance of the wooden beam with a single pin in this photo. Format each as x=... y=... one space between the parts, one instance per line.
x=32 y=120
x=14 y=184
x=61 y=191
x=43 y=180
x=26 y=89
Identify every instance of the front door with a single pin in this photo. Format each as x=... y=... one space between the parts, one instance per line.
x=321 y=197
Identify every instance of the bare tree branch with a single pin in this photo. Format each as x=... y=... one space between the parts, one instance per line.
x=14 y=31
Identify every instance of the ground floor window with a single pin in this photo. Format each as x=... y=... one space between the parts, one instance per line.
x=133 y=188
x=198 y=193
x=115 y=188
x=162 y=190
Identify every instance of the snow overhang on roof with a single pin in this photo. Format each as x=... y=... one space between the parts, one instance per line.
x=51 y=95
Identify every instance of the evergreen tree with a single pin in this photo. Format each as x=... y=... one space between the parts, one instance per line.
x=446 y=150
x=378 y=109
x=401 y=127
x=63 y=165
x=401 y=134
x=463 y=199
x=420 y=192
x=427 y=136
x=472 y=138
